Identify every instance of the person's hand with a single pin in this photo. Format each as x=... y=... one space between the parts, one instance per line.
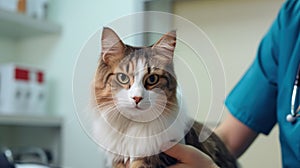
x=189 y=157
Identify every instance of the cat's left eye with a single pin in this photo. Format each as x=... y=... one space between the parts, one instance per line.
x=122 y=78
x=152 y=79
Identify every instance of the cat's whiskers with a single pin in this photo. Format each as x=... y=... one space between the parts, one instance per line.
x=104 y=99
x=169 y=114
x=171 y=103
x=160 y=117
x=107 y=108
x=125 y=103
x=102 y=106
x=112 y=114
x=122 y=100
x=165 y=107
x=104 y=103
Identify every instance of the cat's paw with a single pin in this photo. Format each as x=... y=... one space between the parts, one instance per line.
x=139 y=164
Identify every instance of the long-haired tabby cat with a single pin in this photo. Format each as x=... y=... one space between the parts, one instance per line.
x=137 y=110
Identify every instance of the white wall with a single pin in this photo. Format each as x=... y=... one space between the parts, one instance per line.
x=236 y=27
x=57 y=55
x=7 y=50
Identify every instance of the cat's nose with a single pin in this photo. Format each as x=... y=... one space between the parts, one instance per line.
x=137 y=99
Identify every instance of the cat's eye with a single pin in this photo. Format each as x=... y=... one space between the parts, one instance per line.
x=152 y=79
x=122 y=78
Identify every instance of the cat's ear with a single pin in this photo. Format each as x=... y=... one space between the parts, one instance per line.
x=165 y=46
x=112 y=46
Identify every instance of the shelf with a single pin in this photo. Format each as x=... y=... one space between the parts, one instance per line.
x=30 y=120
x=15 y=25
x=18 y=131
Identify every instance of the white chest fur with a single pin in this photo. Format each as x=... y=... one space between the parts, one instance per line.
x=126 y=139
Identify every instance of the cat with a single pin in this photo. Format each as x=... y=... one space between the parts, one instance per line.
x=137 y=110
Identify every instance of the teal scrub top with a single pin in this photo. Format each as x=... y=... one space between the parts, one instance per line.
x=262 y=97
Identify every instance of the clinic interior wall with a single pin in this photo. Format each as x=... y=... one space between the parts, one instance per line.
x=7 y=48
x=236 y=27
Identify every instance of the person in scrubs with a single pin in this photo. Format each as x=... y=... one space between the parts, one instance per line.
x=262 y=98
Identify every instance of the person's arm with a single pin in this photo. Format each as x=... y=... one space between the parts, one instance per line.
x=189 y=157
x=236 y=136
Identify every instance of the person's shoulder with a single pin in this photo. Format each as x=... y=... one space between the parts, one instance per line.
x=289 y=15
x=292 y=6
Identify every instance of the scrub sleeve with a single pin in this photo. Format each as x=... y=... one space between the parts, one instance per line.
x=262 y=98
x=253 y=100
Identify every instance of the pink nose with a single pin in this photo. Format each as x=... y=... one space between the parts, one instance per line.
x=137 y=99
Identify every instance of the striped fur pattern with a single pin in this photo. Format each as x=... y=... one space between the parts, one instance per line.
x=136 y=103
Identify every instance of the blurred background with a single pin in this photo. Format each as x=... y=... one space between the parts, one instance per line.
x=40 y=41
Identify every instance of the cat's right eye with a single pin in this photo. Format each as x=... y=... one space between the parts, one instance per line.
x=122 y=78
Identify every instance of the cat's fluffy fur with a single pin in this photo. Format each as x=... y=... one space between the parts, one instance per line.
x=133 y=139
x=123 y=130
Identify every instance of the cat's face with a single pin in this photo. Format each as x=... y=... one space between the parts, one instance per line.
x=136 y=82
